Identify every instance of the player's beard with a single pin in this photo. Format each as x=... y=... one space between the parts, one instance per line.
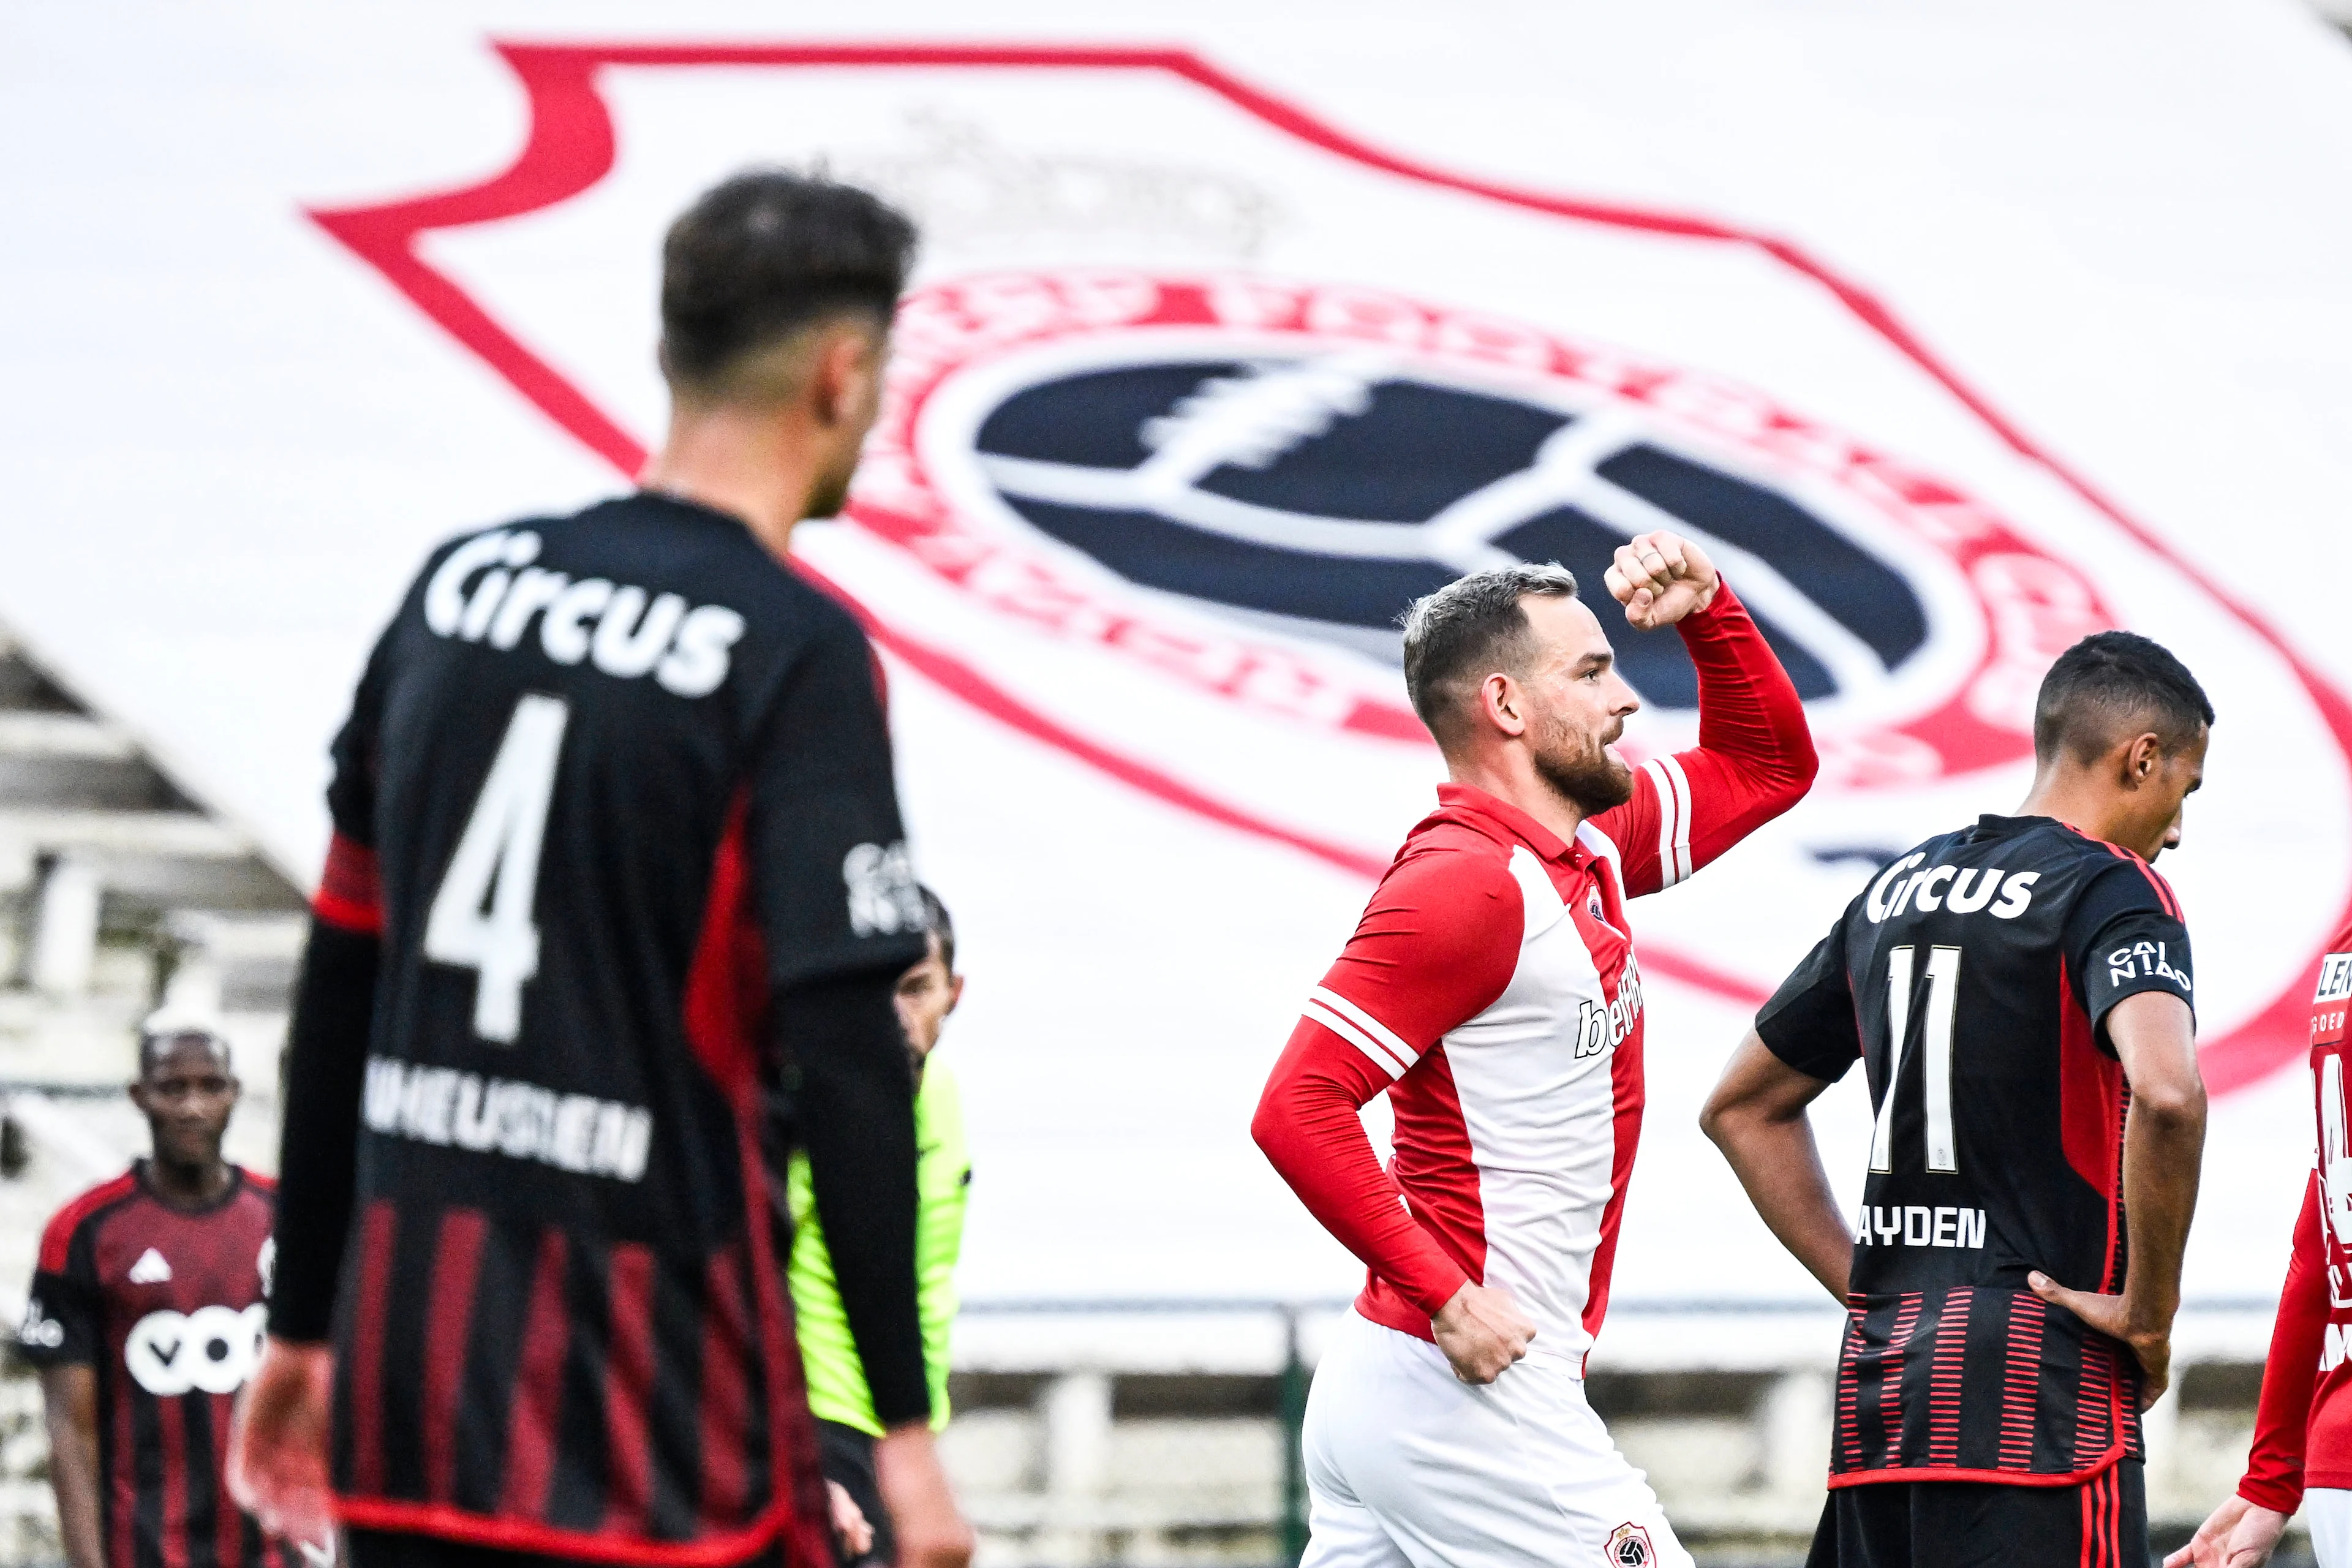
x=1582 y=769
x=832 y=492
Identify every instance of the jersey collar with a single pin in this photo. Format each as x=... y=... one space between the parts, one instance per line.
x=1469 y=800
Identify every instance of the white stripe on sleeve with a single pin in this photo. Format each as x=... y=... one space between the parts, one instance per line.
x=1380 y=1056
x=1366 y=1022
x=1669 y=807
x=1673 y=768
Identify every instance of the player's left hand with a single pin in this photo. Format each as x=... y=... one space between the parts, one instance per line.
x=276 y=1467
x=2109 y=1315
x=2238 y=1534
x=1660 y=578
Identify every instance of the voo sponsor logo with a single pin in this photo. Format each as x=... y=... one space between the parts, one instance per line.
x=487 y=592
x=212 y=1349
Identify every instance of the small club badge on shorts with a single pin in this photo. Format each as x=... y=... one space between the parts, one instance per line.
x=1629 y=1547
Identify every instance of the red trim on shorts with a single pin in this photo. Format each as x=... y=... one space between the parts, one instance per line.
x=1999 y=1478
x=524 y=1535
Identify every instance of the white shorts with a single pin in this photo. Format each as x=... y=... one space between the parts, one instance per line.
x=2327 y=1514
x=1408 y=1467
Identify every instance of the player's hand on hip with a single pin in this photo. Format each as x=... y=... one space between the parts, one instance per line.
x=2238 y=1534
x=276 y=1467
x=1482 y=1332
x=1660 y=577
x=2111 y=1317
x=932 y=1532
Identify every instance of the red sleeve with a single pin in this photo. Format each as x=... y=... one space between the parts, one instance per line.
x=351 y=890
x=1754 y=759
x=2274 y=1477
x=1438 y=944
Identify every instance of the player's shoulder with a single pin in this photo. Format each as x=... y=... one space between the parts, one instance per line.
x=1455 y=870
x=80 y=1214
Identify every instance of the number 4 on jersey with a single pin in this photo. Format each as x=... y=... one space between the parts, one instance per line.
x=501 y=845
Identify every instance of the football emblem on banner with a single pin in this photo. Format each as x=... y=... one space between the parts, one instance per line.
x=1193 y=395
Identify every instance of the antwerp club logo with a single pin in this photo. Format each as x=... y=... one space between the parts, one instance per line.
x=1305 y=460
x=1194 y=393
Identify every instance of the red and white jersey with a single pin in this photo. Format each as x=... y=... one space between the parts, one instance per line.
x=1491 y=990
x=2303 y=1431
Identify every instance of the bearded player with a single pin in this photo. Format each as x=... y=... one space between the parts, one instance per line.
x=1491 y=992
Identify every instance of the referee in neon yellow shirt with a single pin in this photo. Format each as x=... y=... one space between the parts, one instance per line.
x=847 y=1426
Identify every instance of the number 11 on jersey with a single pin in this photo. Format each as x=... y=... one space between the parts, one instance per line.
x=1935 y=1039
x=501 y=845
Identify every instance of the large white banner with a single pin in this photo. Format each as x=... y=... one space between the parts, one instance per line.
x=1196 y=387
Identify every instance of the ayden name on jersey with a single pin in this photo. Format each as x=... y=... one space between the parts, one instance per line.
x=1962 y=889
x=687 y=651
x=1916 y=1225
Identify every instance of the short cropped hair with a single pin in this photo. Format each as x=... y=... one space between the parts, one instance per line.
x=939 y=926
x=158 y=1045
x=1454 y=637
x=2111 y=680
x=763 y=255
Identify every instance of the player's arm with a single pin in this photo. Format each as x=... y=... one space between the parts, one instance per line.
x=60 y=1339
x=1435 y=946
x=1803 y=1041
x=2134 y=971
x=277 y=1467
x=1755 y=755
x=69 y=1411
x=837 y=906
x=2245 y=1529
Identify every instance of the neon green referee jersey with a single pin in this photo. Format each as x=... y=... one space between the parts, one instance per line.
x=836 y=1379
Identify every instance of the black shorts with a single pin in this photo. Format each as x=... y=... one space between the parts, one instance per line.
x=2102 y=1523
x=846 y=1456
x=400 y=1549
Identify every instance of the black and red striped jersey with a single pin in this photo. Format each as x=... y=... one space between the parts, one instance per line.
x=1973 y=978
x=611 y=782
x=165 y=1305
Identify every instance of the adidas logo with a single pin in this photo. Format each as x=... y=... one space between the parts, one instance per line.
x=151 y=1268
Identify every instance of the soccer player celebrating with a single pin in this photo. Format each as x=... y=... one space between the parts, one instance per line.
x=843 y=1404
x=615 y=841
x=2019 y=992
x=144 y=1321
x=1491 y=991
x=2302 y=1455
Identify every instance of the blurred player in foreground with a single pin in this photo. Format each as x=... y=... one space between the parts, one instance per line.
x=615 y=837
x=1491 y=992
x=2019 y=992
x=2302 y=1455
x=844 y=1407
x=144 y=1321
